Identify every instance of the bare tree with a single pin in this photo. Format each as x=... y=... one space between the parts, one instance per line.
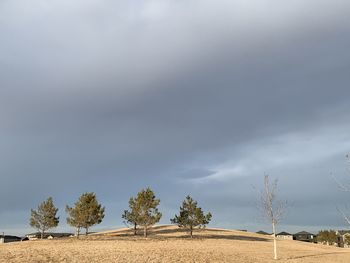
x=345 y=188
x=272 y=209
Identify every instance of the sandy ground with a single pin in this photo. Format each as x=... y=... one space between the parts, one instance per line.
x=170 y=244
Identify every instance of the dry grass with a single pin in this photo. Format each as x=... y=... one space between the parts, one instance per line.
x=170 y=244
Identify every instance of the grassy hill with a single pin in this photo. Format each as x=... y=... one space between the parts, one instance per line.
x=170 y=244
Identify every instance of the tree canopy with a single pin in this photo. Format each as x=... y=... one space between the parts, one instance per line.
x=130 y=216
x=143 y=209
x=191 y=216
x=327 y=236
x=45 y=217
x=86 y=212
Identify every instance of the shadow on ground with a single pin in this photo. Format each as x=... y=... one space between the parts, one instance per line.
x=316 y=255
x=165 y=232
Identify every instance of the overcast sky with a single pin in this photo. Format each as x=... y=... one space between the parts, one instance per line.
x=195 y=97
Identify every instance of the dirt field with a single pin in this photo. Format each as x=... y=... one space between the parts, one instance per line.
x=169 y=244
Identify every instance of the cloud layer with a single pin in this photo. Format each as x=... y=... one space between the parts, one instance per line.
x=183 y=96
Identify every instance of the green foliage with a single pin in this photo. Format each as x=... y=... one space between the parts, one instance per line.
x=191 y=216
x=143 y=210
x=327 y=236
x=44 y=218
x=86 y=212
x=74 y=217
x=130 y=216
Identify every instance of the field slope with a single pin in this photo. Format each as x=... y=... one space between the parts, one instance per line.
x=170 y=244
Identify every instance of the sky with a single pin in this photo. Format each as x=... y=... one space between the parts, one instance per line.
x=186 y=97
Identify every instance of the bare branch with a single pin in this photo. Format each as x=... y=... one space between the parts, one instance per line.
x=347 y=218
x=341 y=186
x=272 y=209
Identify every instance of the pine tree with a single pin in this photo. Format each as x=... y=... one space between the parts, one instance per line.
x=86 y=212
x=130 y=216
x=74 y=218
x=146 y=213
x=44 y=218
x=191 y=216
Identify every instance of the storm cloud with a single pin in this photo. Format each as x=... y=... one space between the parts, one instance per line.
x=187 y=97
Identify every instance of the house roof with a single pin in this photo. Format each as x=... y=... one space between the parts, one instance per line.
x=303 y=233
x=262 y=232
x=284 y=234
x=10 y=237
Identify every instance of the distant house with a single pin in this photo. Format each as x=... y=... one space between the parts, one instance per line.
x=284 y=235
x=342 y=236
x=305 y=236
x=263 y=233
x=37 y=235
x=8 y=239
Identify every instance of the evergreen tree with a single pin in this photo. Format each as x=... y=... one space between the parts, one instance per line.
x=74 y=218
x=146 y=213
x=44 y=218
x=86 y=212
x=191 y=216
x=130 y=216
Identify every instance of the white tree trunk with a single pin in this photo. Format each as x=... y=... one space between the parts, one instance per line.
x=274 y=241
x=77 y=232
x=145 y=231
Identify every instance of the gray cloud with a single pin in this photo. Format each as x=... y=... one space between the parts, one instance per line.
x=186 y=97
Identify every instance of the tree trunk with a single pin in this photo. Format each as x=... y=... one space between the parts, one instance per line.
x=42 y=234
x=86 y=231
x=78 y=232
x=135 y=225
x=145 y=231
x=191 y=231
x=274 y=241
